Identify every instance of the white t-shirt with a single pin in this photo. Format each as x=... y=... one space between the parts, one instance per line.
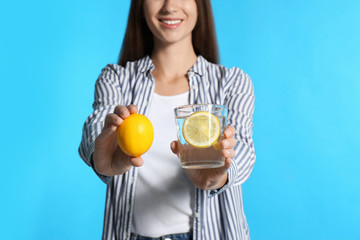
x=164 y=195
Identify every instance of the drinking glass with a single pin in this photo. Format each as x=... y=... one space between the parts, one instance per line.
x=207 y=155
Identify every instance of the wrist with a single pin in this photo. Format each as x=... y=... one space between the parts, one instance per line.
x=211 y=186
x=98 y=166
x=222 y=182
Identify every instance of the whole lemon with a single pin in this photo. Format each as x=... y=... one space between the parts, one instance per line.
x=135 y=135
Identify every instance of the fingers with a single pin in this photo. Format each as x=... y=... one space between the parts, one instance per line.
x=112 y=121
x=227 y=164
x=136 y=162
x=132 y=109
x=124 y=112
x=229 y=132
x=228 y=153
x=175 y=147
x=228 y=143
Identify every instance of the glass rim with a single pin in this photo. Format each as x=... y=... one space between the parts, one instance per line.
x=199 y=104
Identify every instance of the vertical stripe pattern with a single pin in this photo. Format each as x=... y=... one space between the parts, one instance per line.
x=217 y=214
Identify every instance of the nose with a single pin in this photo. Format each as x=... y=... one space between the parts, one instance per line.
x=170 y=6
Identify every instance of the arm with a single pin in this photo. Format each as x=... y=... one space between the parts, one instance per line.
x=237 y=145
x=99 y=147
x=240 y=101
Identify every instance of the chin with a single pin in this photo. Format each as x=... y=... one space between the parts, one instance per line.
x=174 y=39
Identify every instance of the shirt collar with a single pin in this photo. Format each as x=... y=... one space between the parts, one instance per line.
x=200 y=66
x=146 y=65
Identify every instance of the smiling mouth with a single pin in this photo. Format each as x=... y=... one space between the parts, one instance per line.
x=170 y=22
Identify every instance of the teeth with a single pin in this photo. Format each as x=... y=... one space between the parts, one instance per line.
x=171 y=22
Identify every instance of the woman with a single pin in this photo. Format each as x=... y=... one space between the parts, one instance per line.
x=169 y=58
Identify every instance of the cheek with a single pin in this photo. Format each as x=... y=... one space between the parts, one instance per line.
x=148 y=14
x=191 y=10
x=149 y=10
x=193 y=16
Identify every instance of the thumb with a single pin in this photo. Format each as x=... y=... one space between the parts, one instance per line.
x=136 y=162
x=175 y=147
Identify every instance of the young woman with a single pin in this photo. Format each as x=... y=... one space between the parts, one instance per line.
x=169 y=58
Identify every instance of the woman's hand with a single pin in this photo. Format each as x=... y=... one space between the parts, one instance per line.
x=108 y=158
x=213 y=178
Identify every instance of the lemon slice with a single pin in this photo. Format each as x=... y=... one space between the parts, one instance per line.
x=201 y=129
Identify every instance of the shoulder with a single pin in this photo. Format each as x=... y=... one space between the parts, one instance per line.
x=131 y=68
x=237 y=78
x=230 y=76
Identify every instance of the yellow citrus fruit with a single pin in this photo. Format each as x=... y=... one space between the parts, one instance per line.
x=135 y=135
x=201 y=129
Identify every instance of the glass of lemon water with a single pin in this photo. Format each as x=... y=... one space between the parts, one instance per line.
x=200 y=129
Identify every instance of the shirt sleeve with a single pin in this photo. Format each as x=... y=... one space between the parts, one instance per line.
x=239 y=98
x=107 y=96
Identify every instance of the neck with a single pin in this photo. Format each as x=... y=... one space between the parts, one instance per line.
x=173 y=59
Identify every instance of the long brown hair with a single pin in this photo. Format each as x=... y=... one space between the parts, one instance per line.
x=138 y=41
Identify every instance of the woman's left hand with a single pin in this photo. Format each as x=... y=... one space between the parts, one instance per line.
x=213 y=178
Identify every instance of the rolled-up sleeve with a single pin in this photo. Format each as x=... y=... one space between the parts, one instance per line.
x=240 y=98
x=107 y=96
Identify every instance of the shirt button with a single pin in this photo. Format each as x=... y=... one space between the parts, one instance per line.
x=196 y=215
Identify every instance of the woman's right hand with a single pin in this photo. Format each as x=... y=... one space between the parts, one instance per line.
x=108 y=158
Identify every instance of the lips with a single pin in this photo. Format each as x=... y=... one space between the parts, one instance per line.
x=170 y=23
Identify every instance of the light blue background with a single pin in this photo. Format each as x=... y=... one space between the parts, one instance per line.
x=303 y=57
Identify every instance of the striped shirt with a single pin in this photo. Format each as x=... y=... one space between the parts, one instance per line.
x=217 y=214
